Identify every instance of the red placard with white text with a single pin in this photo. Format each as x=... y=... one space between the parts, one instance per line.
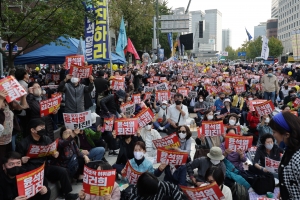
x=118 y=85
x=12 y=87
x=212 y=128
x=169 y=141
x=98 y=182
x=265 y=108
x=37 y=151
x=77 y=120
x=238 y=142
x=55 y=77
x=144 y=117
x=81 y=72
x=30 y=183
x=74 y=59
x=147 y=95
x=211 y=191
x=163 y=95
x=254 y=102
x=296 y=103
x=183 y=91
x=136 y=98
x=126 y=126
x=131 y=174
x=271 y=165
x=239 y=89
x=48 y=106
x=108 y=124
x=171 y=157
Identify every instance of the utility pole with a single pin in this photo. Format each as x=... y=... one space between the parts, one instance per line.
x=154 y=39
x=156 y=28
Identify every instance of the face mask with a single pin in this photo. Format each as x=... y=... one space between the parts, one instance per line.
x=37 y=92
x=200 y=89
x=41 y=132
x=163 y=106
x=74 y=80
x=201 y=100
x=286 y=87
x=138 y=155
x=215 y=162
x=120 y=99
x=148 y=127
x=182 y=135
x=270 y=74
x=267 y=120
x=16 y=170
x=269 y=146
x=178 y=102
x=250 y=99
x=210 y=117
x=232 y=122
x=129 y=98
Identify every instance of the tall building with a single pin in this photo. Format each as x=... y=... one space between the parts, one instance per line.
x=213 y=28
x=195 y=18
x=226 y=38
x=274 y=8
x=288 y=22
x=272 y=28
x=260 y=30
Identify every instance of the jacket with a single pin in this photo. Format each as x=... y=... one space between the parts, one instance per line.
x=101 y=85
x=253 y=120
x=74 y=96
x=269 y=83
x=234 y=158
x=108 y=103
x=261 y=154
x=145 y=166
x=124 y=152
x=91 y=136
x=263 y=129
x=235 y=102
x=115 y=194
x=219 y=105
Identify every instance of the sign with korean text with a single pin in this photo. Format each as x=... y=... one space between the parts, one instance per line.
x=162 y=87
x=136 y=98
x=118 y=84
x=81 y=72
x=131 y=174
x=98 y=182
x=193 y=94
x=265 y=108
x=12 y=87
x=238 y=142
x=171 y=157
x=147 y=95
x=271 y=165
x=163 y=95
x=208 y=192
x=30 y=183
x=144 y=117
x=128 y=108
x=148 y=89
x=183 y=91
x=55 y=77
x=296 y=103
x=37 y=151
x=169 y=141
x=74 y=60
x=108 y=124
x=254 y=102
x=126 y=126
x=239 y=89
x=48 y=106
x=212 y=128
x=213 y=90
x=77 y=120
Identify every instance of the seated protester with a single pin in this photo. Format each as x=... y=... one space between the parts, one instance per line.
x=12 y=166
x=291 y=104
x=210 y=102
x=177 y=174
x=214 y=158
x=200 y=107
x=266 y=149
x=219 y=104
x=233 y=120
x=70 y=156
x=115 y=194
x=149 y=134
x=228 y=108
x=127 y=144
x=161 y=122
x=264 y=128
x=215 y=174
x=52 y=173
x=287 y=99
x=253 y=121
x=209 y=141
x=149 y=187
x=236 y=158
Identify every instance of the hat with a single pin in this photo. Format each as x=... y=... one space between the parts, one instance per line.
x=227 y=100
x=164 y=102
x=215 y=153
x=94 y=117
x=35 y=123
x=121 y=94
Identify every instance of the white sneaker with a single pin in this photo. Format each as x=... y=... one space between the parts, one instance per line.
x=161 y=128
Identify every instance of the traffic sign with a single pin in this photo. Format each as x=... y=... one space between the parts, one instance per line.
x=15 y=48
x=242 y=53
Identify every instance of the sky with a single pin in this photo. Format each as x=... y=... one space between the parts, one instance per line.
x=236 y=14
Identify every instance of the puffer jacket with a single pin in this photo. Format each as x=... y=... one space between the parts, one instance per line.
x=74 y=96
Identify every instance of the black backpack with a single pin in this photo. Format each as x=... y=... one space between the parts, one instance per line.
x=263 y=183
x=239 y=192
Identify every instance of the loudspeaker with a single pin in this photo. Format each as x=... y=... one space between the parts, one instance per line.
x=200 y=29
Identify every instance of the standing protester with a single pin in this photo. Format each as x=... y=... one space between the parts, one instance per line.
x=270 y=85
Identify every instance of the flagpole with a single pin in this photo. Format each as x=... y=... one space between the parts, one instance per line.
x=109 y=39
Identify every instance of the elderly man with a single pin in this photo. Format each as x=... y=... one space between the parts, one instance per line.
x=270 y=85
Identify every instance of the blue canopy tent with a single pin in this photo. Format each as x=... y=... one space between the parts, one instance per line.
x=55 y=54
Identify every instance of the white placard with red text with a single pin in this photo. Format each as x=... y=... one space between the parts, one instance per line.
x=271 y=165
x=78 y=120
x=163 y=95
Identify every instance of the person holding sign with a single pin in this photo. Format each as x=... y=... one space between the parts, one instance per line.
x=12 y=166
x=263 y=127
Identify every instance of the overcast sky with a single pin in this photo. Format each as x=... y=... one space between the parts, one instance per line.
x=236 y=14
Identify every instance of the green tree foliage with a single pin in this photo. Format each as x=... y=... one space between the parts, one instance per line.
x=232 y=54
x=276 y=47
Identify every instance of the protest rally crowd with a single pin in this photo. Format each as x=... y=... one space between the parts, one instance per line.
x=245 y=117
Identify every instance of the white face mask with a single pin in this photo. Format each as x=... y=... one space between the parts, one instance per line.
x=37 y=92
x=138 y=155
x=201 y=100
x=250 y=99
x=215 y=162
x=148 y=127
x=120 y=99
x=232 y=122
x=210 y=117
x=182 y=135
x=74 y=80
x=267 y=120
x=163 y=106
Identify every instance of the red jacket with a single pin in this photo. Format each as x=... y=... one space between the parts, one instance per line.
x=253 y=120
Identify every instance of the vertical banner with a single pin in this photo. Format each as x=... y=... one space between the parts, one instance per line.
x=211 y=191
x=98 y=182
x=77 y=120
x=30 y=183
x=127 y=126
x=96 y=33
x=12 y=87
x=161 y=53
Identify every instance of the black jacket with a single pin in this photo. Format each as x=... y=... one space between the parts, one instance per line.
x=109 y=103
x=101 y=85
x=261 y=154
x=126 y=154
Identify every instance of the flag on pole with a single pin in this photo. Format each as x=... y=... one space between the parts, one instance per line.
x=248 y=34
x=122 y=40
x=265 y=48
x=170 y=40
x=131 y=49
x=80 y=49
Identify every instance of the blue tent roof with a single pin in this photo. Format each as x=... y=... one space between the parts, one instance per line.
x=55 y=54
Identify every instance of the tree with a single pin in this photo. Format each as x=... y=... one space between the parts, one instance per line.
x=232 y=54
x=38 y=21
x=275 y=46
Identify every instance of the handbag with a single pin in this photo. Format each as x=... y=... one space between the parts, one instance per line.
x=263 y=183
x=171 y=129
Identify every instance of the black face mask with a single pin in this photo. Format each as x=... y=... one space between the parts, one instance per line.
x=126 y=136
x=41 y=132
x=222 y=98
x=16 y=170
x=178 y=102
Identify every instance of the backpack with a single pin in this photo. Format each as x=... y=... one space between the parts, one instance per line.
x=239 y=192
x=263 y=183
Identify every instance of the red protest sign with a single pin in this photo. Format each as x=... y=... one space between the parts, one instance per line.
x=183 y=91
x=98 y=182
x=81 y=72
x=163 y=95
x=30 y=183
x=211 y=191
x=37 y=151
x=238 y=142
x=296 y=103
x=144 y=117
x=118 y=84
x=127 y=126
x=213 y=90
x=12 y=87
x=131 y=174
x=55 y=77
x=212 y=128
x=48 y=106
x=237 y=128
x=136 y=98
x=128 y=108
x=150 y=80
x=171 y=157
x=254 y=102
x=74 y=59
x=108 y=124
x=239 y=89
x=271 y=165
x=169 y=141
x=156 y=78
x=147 y=95
x=264 y=108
